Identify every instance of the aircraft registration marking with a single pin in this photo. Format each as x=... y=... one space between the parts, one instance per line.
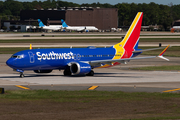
x=22 y=87
x=93 y=87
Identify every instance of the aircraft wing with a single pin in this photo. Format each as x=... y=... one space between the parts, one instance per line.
x=123 y=60
x=136 y=51
x=109 y=61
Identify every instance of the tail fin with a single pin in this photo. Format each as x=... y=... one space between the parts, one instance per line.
x=63 y=23
x=131 y=39
x=40 y=23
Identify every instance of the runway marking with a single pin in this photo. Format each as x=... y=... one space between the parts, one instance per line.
x=22 y=87
x=93 y=87
x=172 y=90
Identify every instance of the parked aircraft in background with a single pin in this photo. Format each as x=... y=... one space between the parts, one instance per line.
x=50 y=27
x=78 y=28
x=82 y=61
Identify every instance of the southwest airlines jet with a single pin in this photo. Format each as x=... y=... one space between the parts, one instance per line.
x=50 y=27
x=81 y=61
x=78 y=28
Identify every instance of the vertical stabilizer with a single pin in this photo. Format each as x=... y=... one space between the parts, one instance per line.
x=131 y=39
x=63 y=23
x=40 y=23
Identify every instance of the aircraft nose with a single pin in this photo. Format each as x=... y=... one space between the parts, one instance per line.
x=9 y=62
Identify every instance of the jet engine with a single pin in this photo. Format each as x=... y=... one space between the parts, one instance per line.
x=80 y=68
x=42 y=71
x=86 y=30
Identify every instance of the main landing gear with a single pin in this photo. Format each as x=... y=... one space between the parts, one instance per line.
x=21 y=74
x=67 y=72
x=91 y=73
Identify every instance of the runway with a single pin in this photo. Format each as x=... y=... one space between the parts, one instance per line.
x=118 y=78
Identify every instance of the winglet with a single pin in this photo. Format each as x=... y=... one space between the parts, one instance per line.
x=30 y=47
x=161 y=54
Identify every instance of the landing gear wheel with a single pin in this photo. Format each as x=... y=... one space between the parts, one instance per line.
x=21 y=75
x=67 y=73
x=91 y=73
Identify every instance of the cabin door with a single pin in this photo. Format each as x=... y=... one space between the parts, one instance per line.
x=31 y=57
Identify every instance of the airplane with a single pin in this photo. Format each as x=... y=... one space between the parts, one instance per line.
x=78 y=28
x=50 y=27
x=82 y=61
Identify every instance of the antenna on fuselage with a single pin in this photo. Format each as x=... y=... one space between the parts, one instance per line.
x=30 y=47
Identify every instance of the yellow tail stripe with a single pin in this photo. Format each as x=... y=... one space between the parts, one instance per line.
x=22 y=87
x=131 y=28
x=93 y=87
x=119 y=47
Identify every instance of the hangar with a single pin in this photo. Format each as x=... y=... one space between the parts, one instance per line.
x=102 y=18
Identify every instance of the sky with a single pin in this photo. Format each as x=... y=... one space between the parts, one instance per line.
x=113 y=2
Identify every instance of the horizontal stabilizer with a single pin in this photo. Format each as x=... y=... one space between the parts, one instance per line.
x=163 y=58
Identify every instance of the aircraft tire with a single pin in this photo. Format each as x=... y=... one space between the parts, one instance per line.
x=67 y=73
x=91 y=73
x=21 y=75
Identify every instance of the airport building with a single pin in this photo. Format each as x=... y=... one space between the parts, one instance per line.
x=102 y=18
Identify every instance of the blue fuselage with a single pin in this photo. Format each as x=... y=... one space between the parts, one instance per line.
x=57 y=58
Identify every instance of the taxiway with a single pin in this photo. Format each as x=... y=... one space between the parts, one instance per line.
x=118 y=78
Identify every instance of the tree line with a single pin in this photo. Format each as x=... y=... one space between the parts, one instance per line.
x=153 y=13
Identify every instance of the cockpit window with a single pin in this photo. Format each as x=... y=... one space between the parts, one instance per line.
x=14 y=56
x=17 y=56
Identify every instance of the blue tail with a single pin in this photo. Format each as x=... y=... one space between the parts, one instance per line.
x=40 y=23
x=63 y=23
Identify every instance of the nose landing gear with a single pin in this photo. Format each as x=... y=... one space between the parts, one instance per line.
x=21 y=73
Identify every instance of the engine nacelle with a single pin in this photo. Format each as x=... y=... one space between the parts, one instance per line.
x=80 y=68
x=86 y=30
x=42 y=71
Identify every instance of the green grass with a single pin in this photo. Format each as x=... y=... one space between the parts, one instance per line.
x=11 y=50
x=159 y=68
x=137 y=105
x=159 y=40
x=171 y=51
x=79 y=35
x=155 y=118
x=80 y=96
x=60 y=40
x=108 y=40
